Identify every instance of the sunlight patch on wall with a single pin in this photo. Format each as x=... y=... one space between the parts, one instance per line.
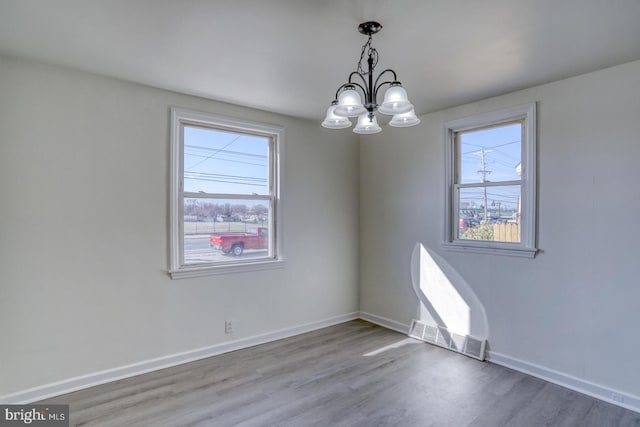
x=447 y=299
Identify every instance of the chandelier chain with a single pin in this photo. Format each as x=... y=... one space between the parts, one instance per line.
x=372 y=52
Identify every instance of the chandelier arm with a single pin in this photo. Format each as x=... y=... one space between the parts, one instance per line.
x=350 y=84
x=359 y=75
x=370 y=101
x=364 y=91
x=388 y=70
x=375 y=92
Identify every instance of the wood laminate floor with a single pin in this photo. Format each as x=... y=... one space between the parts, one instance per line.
x=353 y=374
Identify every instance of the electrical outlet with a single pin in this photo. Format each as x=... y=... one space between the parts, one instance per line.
x=229 y=326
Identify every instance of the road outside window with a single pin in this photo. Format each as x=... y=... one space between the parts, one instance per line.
x=225 y=193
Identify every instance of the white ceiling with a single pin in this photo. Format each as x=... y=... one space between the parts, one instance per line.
x=289 y=56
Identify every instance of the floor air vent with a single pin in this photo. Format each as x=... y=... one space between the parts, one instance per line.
x=440 y=336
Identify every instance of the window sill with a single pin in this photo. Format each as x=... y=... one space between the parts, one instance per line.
x=202 y=271
x=483 y=249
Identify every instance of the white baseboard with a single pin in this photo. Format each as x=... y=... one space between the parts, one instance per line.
x=109 y=375
x=383 y=321
x=607 y=394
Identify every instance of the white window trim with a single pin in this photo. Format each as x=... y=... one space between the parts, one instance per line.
x=176 y=269
x=527 y=246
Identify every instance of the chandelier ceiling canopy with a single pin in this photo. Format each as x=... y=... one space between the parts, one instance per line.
x=348 y=101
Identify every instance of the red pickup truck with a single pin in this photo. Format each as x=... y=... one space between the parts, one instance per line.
x=236 y=243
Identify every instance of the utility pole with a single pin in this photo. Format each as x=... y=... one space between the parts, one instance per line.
x=484 y=172
x=499 y=211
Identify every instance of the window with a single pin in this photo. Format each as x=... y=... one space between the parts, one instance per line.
x=491 y=196
x=225 y=194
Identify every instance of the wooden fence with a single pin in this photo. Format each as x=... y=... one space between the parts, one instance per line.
x=508 y=232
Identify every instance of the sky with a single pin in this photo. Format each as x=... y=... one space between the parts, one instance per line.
x=501 y=148
x=225 y=162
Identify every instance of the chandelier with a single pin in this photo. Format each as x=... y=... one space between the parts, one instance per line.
x=348 y=102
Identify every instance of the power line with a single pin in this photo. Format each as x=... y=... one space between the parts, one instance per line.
x=226 y=160
x=217 y=175
x=229 y=179
x=215 y=152
x=221 y=150
x=226 y=181
x=492 y=148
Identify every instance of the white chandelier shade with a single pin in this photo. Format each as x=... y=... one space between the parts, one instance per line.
x=349 y=104
x=367 y=124
x=404 y=120
x=333 y=121
x=359 y=96
x=395 y=101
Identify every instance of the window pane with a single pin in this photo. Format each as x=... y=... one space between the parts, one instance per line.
x=224 y=162
x=226 y=230
x=489 y=213
x=491 y=154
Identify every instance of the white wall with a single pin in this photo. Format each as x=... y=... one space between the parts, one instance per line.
x=84 y=226
x=84 y=230
x=575 y=307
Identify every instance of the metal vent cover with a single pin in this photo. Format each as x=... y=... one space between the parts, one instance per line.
x=417 y=329
x=474 y=347
x=440 y=336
